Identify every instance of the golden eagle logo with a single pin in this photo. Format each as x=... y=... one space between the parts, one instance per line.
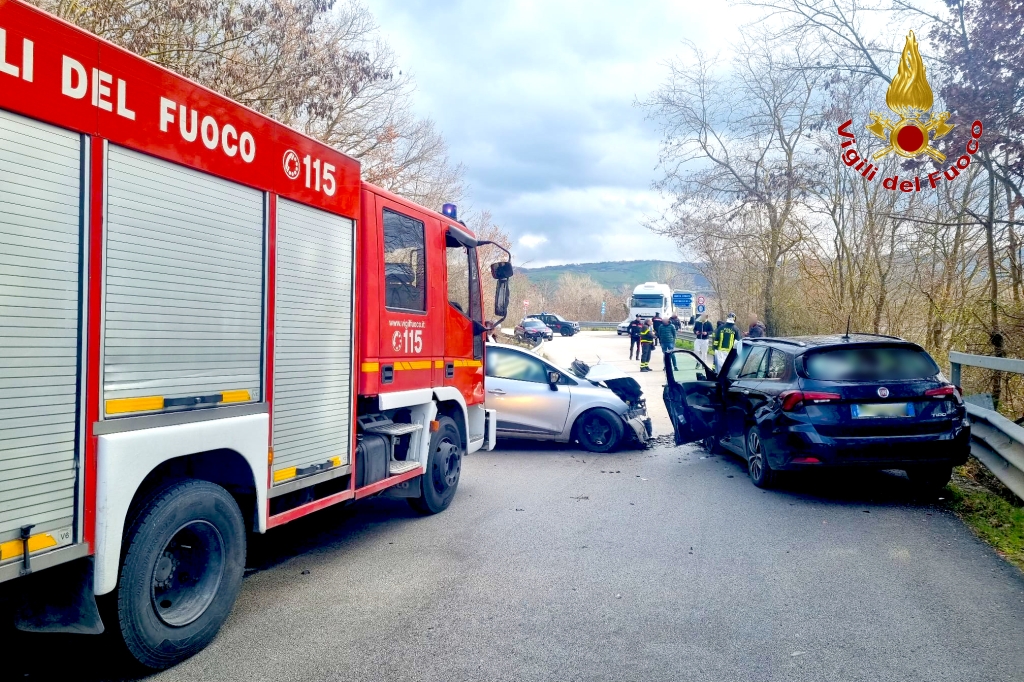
x=910 y=97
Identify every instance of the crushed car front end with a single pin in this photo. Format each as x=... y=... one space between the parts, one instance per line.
x=632 y=407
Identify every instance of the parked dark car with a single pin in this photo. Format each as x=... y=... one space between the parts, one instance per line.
x=558 y=324
x=825 y=401
x=533 y=330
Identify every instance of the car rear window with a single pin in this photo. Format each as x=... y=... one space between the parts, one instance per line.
x=886 y=363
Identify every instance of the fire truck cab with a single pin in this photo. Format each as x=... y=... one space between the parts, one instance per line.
x=209 y=327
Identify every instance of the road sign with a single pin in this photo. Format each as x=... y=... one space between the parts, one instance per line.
x=526 y=304
x=682 y=299
x=701 y=308
x=700 y=300
x=602 y=311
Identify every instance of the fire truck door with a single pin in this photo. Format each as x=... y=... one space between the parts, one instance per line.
x=463 y=351
x=409 y=336
x=40 y=283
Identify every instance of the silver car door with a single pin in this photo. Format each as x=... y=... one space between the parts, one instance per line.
x=517 y=388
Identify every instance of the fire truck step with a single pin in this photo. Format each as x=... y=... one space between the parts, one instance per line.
x=400 y=467
x=393 y=429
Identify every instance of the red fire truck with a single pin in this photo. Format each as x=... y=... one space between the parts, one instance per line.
x=208 y=327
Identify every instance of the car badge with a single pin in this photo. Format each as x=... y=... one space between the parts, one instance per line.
x=883 y=392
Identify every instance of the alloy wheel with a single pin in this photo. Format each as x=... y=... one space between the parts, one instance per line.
x=597 y=430
x=755 y=464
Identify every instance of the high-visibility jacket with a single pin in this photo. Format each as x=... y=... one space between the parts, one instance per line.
x=725 y=338
x=647 y=335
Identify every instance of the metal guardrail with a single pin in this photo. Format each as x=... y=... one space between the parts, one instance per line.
x=996 y=442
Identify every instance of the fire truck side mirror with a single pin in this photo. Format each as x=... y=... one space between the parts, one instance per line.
x=501 y=292
x=500 y=271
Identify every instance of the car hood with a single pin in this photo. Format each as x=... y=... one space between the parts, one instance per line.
x=623 y=385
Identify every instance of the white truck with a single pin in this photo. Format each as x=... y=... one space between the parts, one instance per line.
x=648 y=298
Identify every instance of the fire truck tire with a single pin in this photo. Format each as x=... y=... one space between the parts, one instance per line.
x=444 y=465
x=599 y=430
x=181 y=574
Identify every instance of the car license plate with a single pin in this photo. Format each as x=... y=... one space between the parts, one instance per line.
x=874 y=410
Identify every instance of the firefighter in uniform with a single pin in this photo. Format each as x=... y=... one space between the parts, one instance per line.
x=725 y=339
x=646 y=346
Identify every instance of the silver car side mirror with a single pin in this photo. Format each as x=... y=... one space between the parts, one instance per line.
x=553 y=379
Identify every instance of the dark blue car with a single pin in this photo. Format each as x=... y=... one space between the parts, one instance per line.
x=825 y=401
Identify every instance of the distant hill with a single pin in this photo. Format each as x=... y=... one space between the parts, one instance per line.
x=613 y=274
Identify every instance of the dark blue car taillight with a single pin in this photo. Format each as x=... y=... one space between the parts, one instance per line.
x=793 y=399
x=946 y=391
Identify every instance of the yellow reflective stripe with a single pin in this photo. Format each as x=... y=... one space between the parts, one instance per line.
x=420 y=364
x=414 y=364
x=405 y=364
x=156 y=402
x=13 y=548
x=234 y=396
x=122 y=405
x=292 y=472
x=284 y=474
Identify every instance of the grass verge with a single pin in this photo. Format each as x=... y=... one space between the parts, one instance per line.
x=994 y=513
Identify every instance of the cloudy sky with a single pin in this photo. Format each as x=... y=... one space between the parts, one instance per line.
x=537 y=98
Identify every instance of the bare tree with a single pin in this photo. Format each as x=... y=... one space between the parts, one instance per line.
x=316 y=65
x=733 y=150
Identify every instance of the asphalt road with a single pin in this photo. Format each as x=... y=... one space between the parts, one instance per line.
x=664 y=564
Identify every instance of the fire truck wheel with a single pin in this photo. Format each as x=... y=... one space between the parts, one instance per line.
x=599 y=430
x=444 y=464
x=181 y=573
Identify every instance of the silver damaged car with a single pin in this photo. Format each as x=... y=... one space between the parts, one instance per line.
x=599 y=406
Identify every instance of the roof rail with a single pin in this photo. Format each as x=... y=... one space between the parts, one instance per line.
x=883 y=336
x=776 y=340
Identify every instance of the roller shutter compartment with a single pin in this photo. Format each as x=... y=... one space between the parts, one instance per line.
x=40 y=252
x=183 y=302
x=313 y=341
